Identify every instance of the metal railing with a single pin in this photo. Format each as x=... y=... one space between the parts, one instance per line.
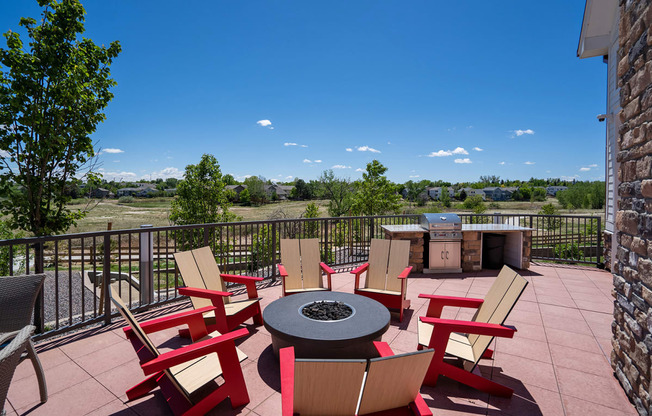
x=141 y=266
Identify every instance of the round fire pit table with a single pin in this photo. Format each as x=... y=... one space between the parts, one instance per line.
x=350 y=337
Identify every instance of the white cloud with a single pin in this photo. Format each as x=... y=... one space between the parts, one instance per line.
x=265 y=123
x=585 y=169
x=367 y=149
x=360 y=170
x=318 y=161
x=348 y=149
x=4 y=153
x=444 y=153
x=522 y=132
x=414 y=176
x=289 y=177
x=477 y=149
x=501 y=163
x=465 y=160
x=118 y=175
x=569 y=178
x=169 y=172
x=593 y=166
x=389 y=142
x=588 y=168
x=340 y=167
x=529 y=163
x=307 y=161
x=303 y=145
x=289 y=144
x=111 y=150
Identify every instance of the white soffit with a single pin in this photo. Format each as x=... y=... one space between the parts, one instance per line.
x=598 y=21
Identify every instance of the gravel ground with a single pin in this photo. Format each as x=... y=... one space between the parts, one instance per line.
x=70 y=293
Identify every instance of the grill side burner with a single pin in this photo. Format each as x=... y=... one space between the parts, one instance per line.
x=444 y=242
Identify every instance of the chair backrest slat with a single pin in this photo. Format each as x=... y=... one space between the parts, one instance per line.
x=191 y=276
x=394 y=381
x=498 y=303
x=378 y=259
x=17 y=298
x=327 y=387
x=399 y=258
x=310 y=263
x=291 y=260
x=133 y=323
x=210 y=271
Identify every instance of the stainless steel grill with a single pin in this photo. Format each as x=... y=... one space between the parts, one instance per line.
x=442 y=226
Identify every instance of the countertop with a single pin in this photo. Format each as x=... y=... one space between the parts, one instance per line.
x=404 y=228
x=494 y=227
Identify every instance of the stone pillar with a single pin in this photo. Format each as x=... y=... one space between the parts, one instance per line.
x=471 y=251
x=416 y=247
x=527 y=249
x=632 y=268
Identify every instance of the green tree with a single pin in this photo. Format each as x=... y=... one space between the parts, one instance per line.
x=462 y=196
x=301 y=190
x=312 y=227
x=473 y=202
x=256 y=187
x=375 y=194
x=244 y=197
x=414 y=190
x=201 y=195
x=338 y=191
x=445 y=197
x=52 y=95
x=538 y=194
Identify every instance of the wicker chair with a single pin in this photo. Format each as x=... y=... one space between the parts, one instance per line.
x=10 y=357
x=17 y=299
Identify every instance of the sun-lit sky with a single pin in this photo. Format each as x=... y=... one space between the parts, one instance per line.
x=287 y=89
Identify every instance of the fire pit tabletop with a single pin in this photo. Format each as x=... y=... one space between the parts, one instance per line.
x=351 y=337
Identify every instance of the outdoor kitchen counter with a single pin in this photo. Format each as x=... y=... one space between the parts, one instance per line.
x=414 y=233
x=518 y=245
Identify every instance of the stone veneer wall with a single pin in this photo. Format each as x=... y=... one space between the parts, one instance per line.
x=632 y=269
x=606 y=250
x=472 y=250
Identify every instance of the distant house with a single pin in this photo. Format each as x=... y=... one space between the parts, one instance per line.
x=142 y=190
x=497 y=193
x=236 y=188
x=282 y=191
x=473 y=191
x=552 y=190
x=101 y=193
x=435 y=192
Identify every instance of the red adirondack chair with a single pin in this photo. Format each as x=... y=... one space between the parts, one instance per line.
x=387 y=272
x=300 y=268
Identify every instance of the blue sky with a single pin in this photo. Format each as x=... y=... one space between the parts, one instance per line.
x=434 y=90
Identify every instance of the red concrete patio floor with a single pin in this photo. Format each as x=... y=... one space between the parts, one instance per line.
x=557 y=363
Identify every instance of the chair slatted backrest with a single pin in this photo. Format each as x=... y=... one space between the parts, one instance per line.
x=291 y=260
x=142 y=337
x=399 y=258
x=378 y=258
x=310 y=263
x=17 y=298
x=199 y=269
x=497 y=305
x=394 y=381
x=327 y=387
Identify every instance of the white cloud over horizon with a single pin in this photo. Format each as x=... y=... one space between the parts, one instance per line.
x=348 y=149
x=414 y=176
x=501 y=163
x=360 y=170
x=265 y=123
x=112 y=150
x=294 y=144
x=367 y=149
x=477 y=149
x=519 y=133
x=307 y=161
x=4 y=153
x=465 y=160
x=445 y=153
x=588 y=168
x=529 y=163
x=340 y=167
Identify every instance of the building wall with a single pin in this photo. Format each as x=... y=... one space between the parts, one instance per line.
x=632 y=269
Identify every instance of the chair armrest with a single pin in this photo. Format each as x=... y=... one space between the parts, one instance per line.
x=248 y=281
x=383 y=348
x=360 y=269
x=189 y=352
x=282 y=271
x=404 y=274
x=446 y=326
x=234 y=278
x=170 y=321
x=203 y=293
x=326 y=269
x=437 y=303
x=286 y=359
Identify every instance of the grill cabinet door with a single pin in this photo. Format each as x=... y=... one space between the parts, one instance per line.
x=437 y=255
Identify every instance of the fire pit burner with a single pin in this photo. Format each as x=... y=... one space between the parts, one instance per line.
x=327 y=310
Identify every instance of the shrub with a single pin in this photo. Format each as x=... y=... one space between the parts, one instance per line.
x=567 y=251
x=262 y=248
x=311 y=227
x=548 y=222
x=494 y=205
x=127 y=199
x=471 y=202
x=18 y=251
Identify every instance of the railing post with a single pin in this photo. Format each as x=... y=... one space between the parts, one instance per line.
x=38 y=306
x=146 y=262
x=372 y=230
x=326 y=248
x=274 y=258
x=106 y=279
x=206 y=236
x=599 y=231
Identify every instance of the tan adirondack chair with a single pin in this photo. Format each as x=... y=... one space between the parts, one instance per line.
x=206 y=287
x=387 y=272
x=389 y=384
x=186 y=375
x=470 y=340
x=300 y=268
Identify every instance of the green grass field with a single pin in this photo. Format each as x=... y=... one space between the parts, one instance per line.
x=156 y=212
